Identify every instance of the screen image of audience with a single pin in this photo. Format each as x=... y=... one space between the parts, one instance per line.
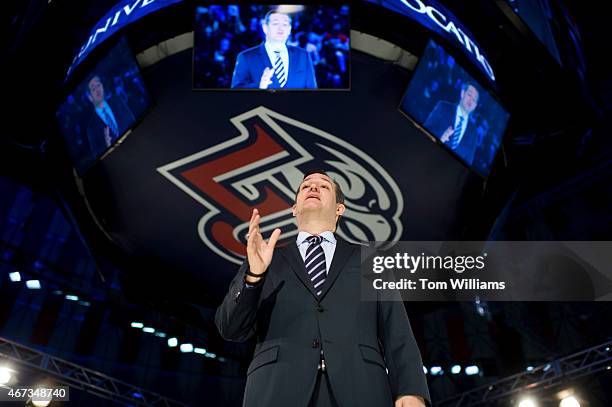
x=100 y=111
x=454 y=108
x=235 y=45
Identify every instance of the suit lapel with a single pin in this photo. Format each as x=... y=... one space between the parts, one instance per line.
x=343 y=252
x=264 y=61
x=294 y=258
x=263 y=54
x=292 y=66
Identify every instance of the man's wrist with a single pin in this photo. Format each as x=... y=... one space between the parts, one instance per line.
x=252 y=280
x=250 y=276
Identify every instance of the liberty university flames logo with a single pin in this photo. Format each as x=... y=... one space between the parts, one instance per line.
x=263 y=167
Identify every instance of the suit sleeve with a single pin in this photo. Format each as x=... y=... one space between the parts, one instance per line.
x=95 y=136
x=434 y=121
x=311 y=79
x=470 y=139
x=127 y=116
x=235 y=318
x=242 y=77
x=401 y=352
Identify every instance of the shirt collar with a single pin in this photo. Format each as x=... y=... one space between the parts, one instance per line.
x=100 y=110
x=270 y=49
x=462 y=114
x=328 y=236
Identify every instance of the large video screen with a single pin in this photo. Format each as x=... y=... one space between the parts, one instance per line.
x=447 y=102
x=263 y=47
x=108 y=103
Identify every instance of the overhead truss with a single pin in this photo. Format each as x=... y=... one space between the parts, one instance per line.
x=552 y=374
x=75 y=376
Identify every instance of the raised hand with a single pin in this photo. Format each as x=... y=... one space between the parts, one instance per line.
x=266 y=78
x=107 y=137
x=447 y=135
x=259 y=252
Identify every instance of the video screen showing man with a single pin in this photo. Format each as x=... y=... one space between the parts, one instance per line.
x=279 y=47
x=445 y=100
x=103 y=107
x=273 y=64
x=110 y=118
x=451 y=122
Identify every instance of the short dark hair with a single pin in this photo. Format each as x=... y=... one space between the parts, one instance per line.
x=339 y=193
x=266 y=18
x=465 y=85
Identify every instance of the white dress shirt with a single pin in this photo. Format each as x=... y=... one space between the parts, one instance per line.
x=465 y=116
x=106 y=108
x=328 y=244
x=284 y=54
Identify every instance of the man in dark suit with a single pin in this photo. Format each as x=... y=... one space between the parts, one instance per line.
x=451 y=123
x=318 y=343
x=274 y=64
x=110 y=119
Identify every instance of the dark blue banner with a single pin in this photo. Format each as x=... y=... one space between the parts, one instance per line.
x=124 y=13
x=439 y=19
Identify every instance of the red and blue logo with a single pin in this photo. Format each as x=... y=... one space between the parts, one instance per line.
x=263 y=167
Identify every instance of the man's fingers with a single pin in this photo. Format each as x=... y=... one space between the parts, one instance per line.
x=255 y=212
x=274 y=238
x=447 y=134
x=251 y=250
x=254 y=226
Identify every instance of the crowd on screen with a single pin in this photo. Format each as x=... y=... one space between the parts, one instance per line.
x=222 y=32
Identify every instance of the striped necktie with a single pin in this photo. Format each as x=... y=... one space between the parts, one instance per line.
x=454 y=140
x=279 y=70
x=315 y=262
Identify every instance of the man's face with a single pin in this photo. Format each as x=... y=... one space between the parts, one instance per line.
x=469 y=99
x=317 y=194
x=278 y=28
x=96 y=90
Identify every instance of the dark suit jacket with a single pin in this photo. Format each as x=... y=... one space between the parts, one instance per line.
x=360 y=339
x=441 y=118
x=95 y=129
x=251 y=63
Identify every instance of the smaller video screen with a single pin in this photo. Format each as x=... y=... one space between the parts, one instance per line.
x=111 y=100
x=448 y=103
x=271 y=48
